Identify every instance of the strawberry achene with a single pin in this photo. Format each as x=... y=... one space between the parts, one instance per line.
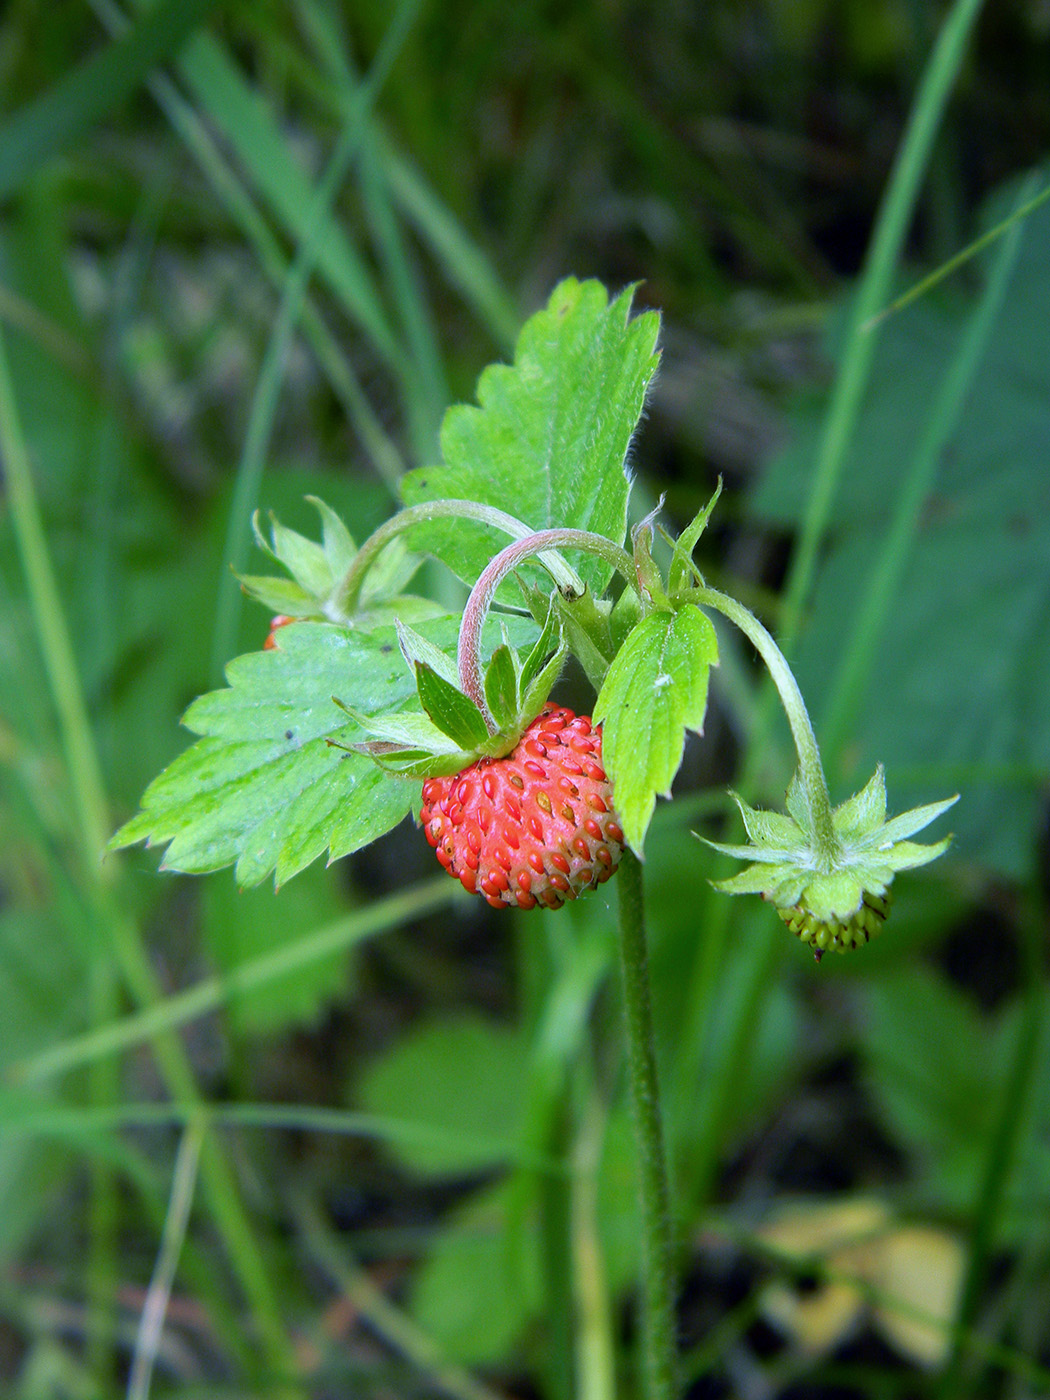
x=537 y=826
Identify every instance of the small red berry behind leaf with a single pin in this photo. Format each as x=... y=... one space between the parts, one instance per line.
x=279 y=621
x=534 y=827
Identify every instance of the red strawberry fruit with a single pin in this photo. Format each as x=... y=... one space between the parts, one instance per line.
x=279 y=621
x=534 y=827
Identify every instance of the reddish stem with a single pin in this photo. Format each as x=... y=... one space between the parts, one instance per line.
x=483 y=592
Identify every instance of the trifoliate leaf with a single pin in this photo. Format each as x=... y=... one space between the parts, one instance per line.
x=549 y=438
x=262 y=788
x=654 y=691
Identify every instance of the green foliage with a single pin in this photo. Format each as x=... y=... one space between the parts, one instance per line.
x=463 y=1296
x=239 y=925
x=318 y=572
x=454 y=713
x=460 y=1076
x=549 y=437
x=47 y=126
x=655 y=690
x=44 y=973
x=137 y=277
x=789 y=866
x=264 y=788
x=935 y=1095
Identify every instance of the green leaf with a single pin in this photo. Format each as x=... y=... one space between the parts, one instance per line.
x=390 y=573
x=339 y=546
x=246 y=118
x=406 y=729
x=461 y=1076
x=262 y=787
x=681 y=564
x=304 y=559
x=625 y=615
x=241 y=925
x=38 y=131
x=318 y=570
x=546 y=643
x=454 y=713
x=533 y=699
x=416 y=648
x=472 y=1294
x=938 y=1098
x=280 y=595
x=654 y=691
x=551 y=433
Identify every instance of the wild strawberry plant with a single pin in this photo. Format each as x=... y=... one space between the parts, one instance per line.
x=369 y=701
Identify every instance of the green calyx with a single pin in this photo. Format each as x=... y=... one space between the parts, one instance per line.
x=449 y=731
x=831 y=894
x=317 y=570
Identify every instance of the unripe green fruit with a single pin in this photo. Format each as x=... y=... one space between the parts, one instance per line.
x=837 y=934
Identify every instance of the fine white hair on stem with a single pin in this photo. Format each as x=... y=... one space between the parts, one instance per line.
x=154 y=1310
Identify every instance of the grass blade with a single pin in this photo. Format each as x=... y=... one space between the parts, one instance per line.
x=892 y=225
x=47 y=126
x=253 y=134
x=214 y=992
x=858 y=655
x=264 y=402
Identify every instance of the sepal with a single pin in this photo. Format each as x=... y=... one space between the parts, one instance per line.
x=318 y=570
x=837 y=900
x=454 y=713
x=683 y=570
x=450 y=731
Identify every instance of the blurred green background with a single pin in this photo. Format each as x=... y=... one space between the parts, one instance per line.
x=372 y=1139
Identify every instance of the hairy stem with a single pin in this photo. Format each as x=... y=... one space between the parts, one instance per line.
x=536 y=545
x=658 y=1321
x=344 y=601
x=811 y=769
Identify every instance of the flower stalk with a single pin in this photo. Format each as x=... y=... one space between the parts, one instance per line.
x=540 y=546
x=813 y=783
x=658 y=1296
x=346 y=598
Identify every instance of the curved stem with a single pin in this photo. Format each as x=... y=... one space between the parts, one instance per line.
x=811 y=769
x=539 y=545
x=657 y=1262
x=344 y=601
